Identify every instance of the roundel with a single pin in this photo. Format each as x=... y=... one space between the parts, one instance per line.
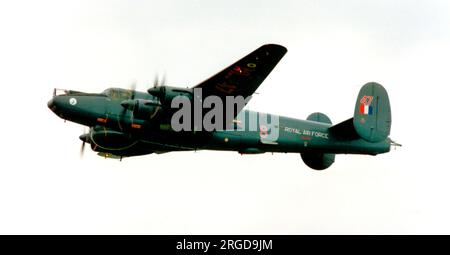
x=263 y=131
x=72 y=101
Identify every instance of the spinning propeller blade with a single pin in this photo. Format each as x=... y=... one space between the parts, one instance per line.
x=84 y=137
x=158 y=86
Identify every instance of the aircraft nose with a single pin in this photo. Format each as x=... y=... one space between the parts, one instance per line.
x=54 y=104
x=50 y=103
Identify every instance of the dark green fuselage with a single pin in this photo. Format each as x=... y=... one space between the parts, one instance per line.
x=106 y=116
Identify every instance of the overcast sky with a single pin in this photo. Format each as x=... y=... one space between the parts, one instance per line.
x=334 y=48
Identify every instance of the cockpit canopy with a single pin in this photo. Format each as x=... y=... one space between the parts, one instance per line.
x=65 y=92
x=113 y=93
x=117 y=93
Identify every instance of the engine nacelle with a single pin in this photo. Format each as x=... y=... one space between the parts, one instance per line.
x=318 y=161
x=113 y=144
x=109 y=140
x=142 y=108
x=166 y=94
x=146 y=109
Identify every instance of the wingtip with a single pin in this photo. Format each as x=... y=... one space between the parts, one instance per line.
x=275 y=46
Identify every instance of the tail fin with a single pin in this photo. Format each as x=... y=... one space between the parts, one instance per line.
x=372 y=117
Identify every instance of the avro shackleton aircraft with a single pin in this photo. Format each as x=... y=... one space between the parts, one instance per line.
x=126 y=122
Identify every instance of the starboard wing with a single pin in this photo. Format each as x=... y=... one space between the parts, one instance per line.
x=244 y=77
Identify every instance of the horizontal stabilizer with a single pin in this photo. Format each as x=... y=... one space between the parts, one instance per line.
x=344 y=130
x=319 y=117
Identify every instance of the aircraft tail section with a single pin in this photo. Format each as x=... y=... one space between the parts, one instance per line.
x=372 y=116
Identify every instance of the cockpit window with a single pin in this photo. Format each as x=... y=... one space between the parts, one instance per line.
x=115 y=93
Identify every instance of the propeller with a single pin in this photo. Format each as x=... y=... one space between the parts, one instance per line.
x=157 y=82
x=84 y=137
x=158 y=90
x=133 y=89
x=158 y=86
x=82 y=149
x=128 y=104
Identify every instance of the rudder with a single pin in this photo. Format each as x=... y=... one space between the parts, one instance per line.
x=372 y=116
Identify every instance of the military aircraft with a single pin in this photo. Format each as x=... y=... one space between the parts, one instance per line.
x=126 y=122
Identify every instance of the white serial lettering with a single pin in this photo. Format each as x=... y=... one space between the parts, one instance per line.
x=292 y=130
x=306 y=132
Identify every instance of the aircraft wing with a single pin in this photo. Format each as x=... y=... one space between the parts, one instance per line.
x=244 y=77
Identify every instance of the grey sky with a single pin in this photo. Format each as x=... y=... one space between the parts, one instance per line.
x=334 y=48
